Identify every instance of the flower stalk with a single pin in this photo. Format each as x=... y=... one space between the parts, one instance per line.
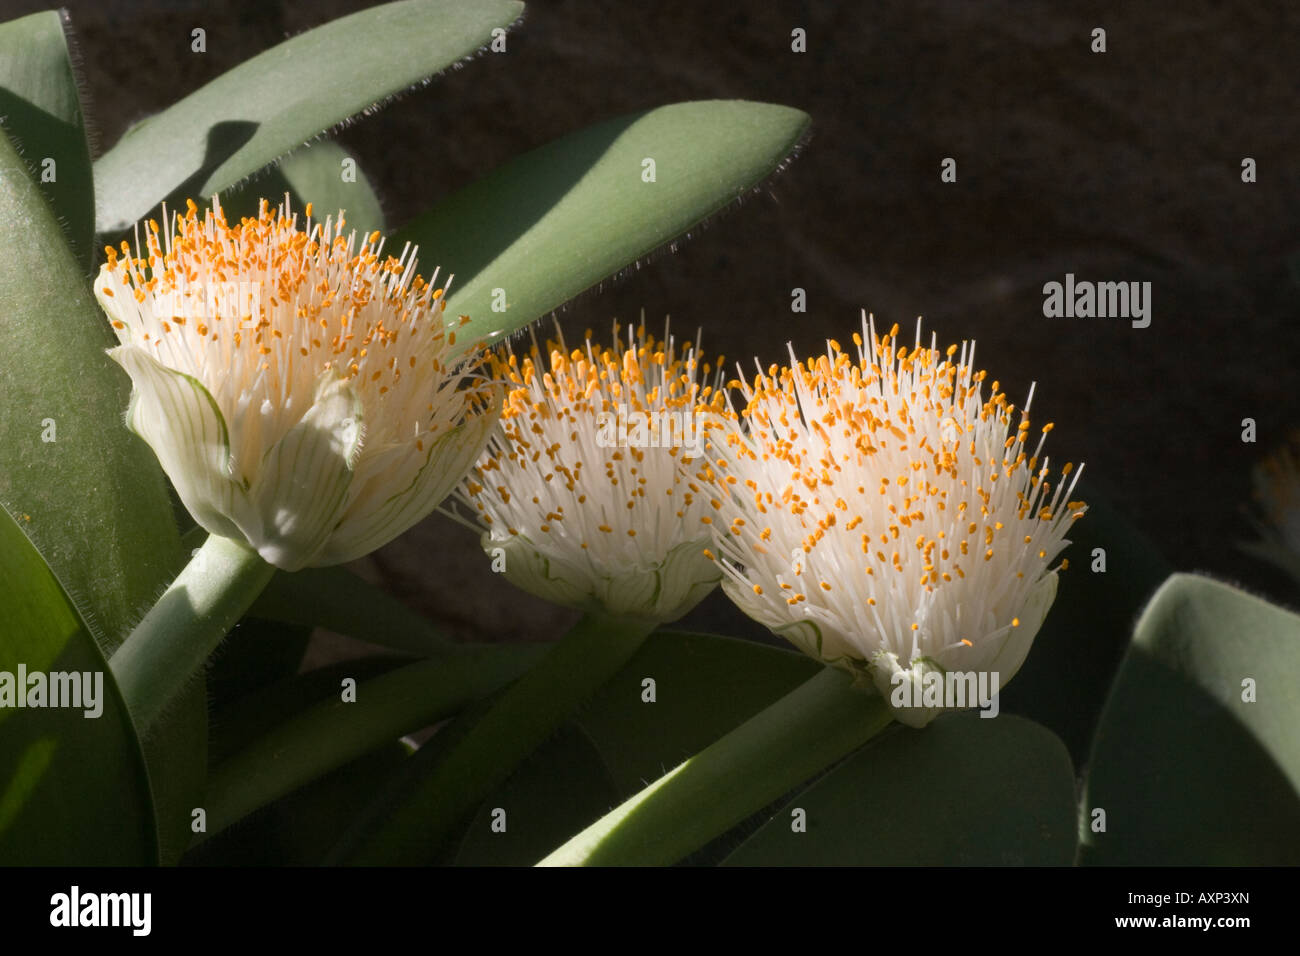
x=816 y=724
x=170 y=645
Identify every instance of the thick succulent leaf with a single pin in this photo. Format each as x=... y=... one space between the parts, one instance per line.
x=176 y=754
x=239 y=722
x=964 y=791
x=255 y=655
x=73 y=789
x=250 y=116
x=531 y=235
x=40 y=112
x=313 y=174
x=337 y=599
x=704 y=686
x=425 y=810
x=308 y=820
x=554 y=793
x=87 y=492
x=1197 y=757
x=1067 y=674
x=299 y=829
x=318 y=739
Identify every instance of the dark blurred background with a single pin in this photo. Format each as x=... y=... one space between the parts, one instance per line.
x=1122 y=166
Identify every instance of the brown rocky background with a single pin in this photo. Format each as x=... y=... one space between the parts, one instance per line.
x=1120 y=166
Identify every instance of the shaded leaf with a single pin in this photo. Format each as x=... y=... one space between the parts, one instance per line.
x=704 y=687
x=964 y=791
x=40 y=111
x=86 y=491
x=269 y=105
x=423 y=810
x=555 y=792
x=253 y=656
x=241 y=721
x=311 y=175
x=298 y=829
x=1064 y=680
x=1186 y=768
x=335 y=598
x=313 y=741
x=73 y=791
x=72 y=472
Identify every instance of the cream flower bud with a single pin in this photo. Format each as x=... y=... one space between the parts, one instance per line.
x=295 y=385
x=887 y=518
x=584 y=486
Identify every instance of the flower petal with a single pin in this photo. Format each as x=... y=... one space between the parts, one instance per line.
x=374 y=524
x=530 y=570
x=302 y=487
x=181 y=422
x=682 y=581
x=1015 y=647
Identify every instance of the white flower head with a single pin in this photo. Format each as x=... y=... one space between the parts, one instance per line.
x=886 y=517
x=296 y=385
x=585 y=486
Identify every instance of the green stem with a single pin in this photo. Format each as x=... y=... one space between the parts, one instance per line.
x=773 y=752
x=515 y=725
x=328 y=735
x=170 y=645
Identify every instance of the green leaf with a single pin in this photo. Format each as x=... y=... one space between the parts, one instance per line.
x=41 y=113
x=412 y=820
x=1064 y=680
x=73 y=791
x=705 y=686
x=311 y=175
x=89 y=494
x=308 y=820
x=709 y=794
x=171 y=645
x=176 y=754
x=1188 y=770
x=254 y=656
x=264 y=108
x=322 y=737
x=238 y=723
x=964 y=791
x=555 y=792
x=299 y=829
x=337 y=599
x=556 y=221
x=86 y=491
